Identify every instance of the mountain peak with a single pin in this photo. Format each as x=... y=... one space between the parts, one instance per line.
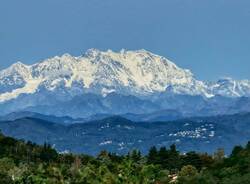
x=225 y=79
x=92 y=52
x=19 y=70
x=18 y=66
x=18 y=63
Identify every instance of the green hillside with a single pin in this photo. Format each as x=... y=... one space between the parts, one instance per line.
x=28 y=163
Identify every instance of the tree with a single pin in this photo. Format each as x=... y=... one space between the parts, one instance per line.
x=219 y=155
x=135 y=155
x=248 y=145
x=47 y=153
x=188 y=175
x=188 y=170
x=153 y=155
x=192 y=158
x=4 y=178
x=174 y=162
x=207 y=160
x=163 y=156
x=236 y=151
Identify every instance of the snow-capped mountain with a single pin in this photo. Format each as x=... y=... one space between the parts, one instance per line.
x=127 y=72
x=137 y=75
x=230 y=88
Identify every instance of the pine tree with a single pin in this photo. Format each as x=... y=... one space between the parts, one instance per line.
x=153 y=155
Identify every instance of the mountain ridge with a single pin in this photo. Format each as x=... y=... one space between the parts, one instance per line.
x=206 y=134
x=146 y=79
x=71 y=69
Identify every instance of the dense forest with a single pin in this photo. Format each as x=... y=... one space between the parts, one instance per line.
x=26 y=162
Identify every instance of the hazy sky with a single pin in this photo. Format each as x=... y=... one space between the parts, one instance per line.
x=210 y=37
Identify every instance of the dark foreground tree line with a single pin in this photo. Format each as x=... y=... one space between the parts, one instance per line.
x=28 y=163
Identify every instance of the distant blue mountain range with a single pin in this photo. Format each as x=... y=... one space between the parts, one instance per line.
x=120 y=135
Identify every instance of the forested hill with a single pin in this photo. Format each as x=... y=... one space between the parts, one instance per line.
x=204 y=134
x=25 y=162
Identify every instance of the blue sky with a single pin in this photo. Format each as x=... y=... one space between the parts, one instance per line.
x=210 y=37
